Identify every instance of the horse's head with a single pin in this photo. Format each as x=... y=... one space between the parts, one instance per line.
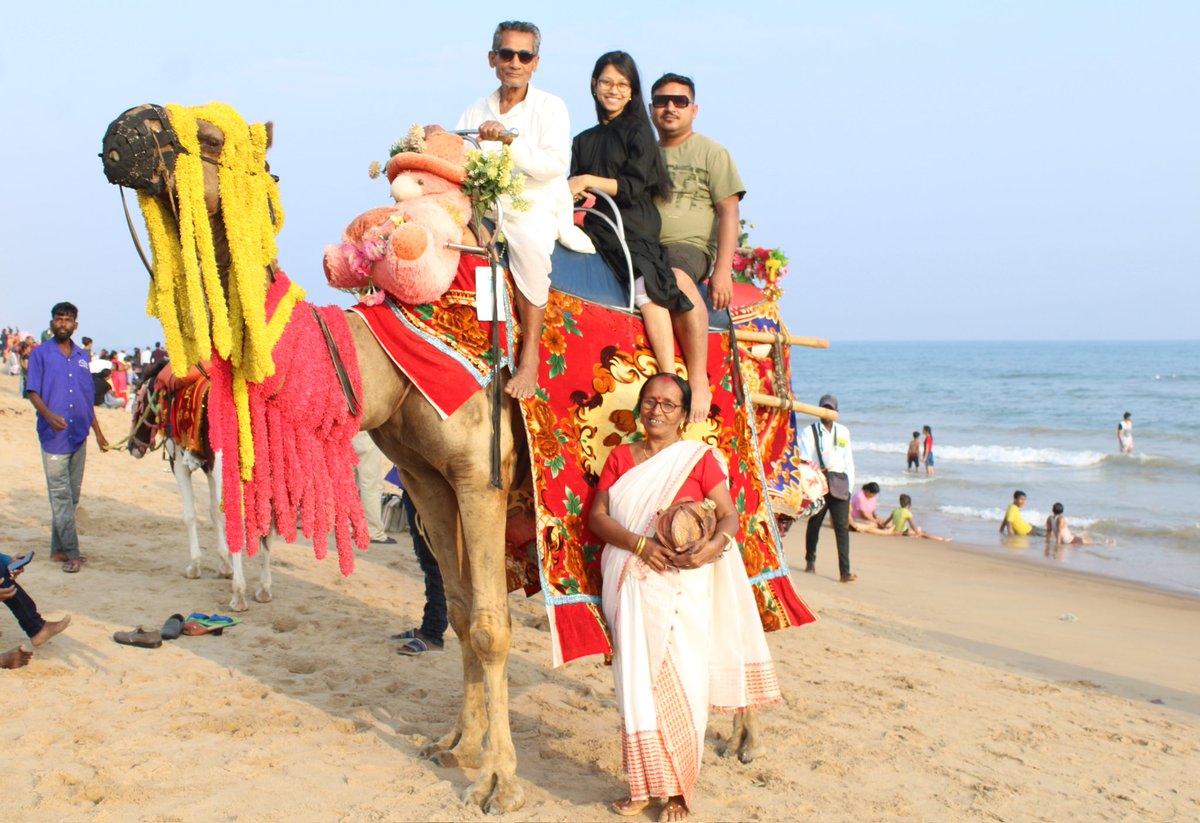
x=147 y=414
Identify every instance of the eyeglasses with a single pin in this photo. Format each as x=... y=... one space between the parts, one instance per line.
x=604 y=84
x=650 y=403
x=680 y=101
x=506 y=55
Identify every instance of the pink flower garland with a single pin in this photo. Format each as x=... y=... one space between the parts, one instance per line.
x=302 y=427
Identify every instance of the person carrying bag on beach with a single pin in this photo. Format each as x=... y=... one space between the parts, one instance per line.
x=828 y=445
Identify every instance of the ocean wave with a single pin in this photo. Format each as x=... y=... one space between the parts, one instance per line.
x=997 y=514
x=1009 y=455
x=888 y=482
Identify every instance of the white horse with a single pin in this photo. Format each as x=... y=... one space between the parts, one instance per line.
x=158 y=403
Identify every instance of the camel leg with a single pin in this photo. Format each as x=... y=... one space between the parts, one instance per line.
x=263 y=593
x=183 y=478
x=497 y=789
x=238 y=585
x=462 y=746
x=745 y=740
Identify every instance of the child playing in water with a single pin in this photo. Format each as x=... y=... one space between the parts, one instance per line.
x=902 y=523
x=914 y=453
x=1059 y=533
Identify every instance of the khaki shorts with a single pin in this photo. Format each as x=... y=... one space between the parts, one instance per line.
x=689 y=260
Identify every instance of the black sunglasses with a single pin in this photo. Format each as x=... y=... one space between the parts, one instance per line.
x=505 y=55
x=660 y=101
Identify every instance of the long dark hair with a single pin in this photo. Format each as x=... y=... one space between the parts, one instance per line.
x=634 y=112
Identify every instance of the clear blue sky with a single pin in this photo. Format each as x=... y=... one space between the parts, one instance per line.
x=935 y=170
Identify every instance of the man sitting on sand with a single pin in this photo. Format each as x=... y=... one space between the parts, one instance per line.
x=1015 y=524
x=23 y=608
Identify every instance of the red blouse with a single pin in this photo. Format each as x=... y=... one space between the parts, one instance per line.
x=705 y=476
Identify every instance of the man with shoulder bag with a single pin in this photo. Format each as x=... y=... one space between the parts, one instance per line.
x=828 y=445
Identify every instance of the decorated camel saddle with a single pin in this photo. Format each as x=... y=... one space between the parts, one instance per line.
x=418 y=297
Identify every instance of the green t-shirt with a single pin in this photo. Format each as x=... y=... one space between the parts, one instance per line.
x=702 y=174
x=900 y=518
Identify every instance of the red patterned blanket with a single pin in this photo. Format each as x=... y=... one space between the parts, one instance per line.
x=441 y=347
x=594 y=361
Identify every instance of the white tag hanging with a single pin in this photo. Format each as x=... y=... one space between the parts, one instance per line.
x=485 y=301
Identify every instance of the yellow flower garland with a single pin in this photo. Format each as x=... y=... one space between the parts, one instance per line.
x=197 y=314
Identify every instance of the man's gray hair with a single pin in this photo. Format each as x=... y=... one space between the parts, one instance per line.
x=517 y=25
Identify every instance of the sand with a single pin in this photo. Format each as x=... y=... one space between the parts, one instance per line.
x=943 y=685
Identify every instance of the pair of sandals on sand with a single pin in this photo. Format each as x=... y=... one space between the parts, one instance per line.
x=415 y=643
x=193 y=625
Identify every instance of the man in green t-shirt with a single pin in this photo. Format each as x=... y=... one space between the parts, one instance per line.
x=701 y=220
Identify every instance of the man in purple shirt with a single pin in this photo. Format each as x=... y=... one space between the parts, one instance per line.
x=59 y=386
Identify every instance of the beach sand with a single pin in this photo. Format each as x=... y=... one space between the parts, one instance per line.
x=943 y=685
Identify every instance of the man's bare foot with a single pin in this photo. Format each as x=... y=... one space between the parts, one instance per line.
x=523 y=384
x=16 y=658
x=628 y=807
x=674 y=811
x=49 y=630
x=701 y=403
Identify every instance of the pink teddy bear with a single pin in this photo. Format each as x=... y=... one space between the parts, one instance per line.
x=402 y=249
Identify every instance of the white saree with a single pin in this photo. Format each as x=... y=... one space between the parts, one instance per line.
x=683 y=640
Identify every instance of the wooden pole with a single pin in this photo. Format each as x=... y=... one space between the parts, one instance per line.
x=793 y=405
x=751 y=336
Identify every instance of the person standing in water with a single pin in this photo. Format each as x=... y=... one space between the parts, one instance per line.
x=1125 y=434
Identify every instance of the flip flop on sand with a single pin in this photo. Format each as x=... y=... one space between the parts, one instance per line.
x=139 y=637
x=194 y=628
x=72 y=566
x=407 y=634
x=173 y=627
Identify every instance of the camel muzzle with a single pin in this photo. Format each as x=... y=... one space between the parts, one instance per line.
x=139 y=149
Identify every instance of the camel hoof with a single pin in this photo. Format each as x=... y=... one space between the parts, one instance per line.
x=262 y=596
x=192 y=572
x=238 y=603
x=226 y=573
x=495 y=794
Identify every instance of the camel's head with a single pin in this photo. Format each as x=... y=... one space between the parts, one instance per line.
x=141 y=149
x=212 y=213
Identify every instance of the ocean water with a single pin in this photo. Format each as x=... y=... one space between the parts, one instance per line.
x=1035 y=416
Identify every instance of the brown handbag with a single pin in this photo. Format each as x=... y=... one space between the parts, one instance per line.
x=685 y=522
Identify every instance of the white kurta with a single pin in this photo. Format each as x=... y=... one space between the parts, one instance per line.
x=542 y=152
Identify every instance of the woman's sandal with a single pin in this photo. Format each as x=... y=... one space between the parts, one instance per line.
x=629 y=807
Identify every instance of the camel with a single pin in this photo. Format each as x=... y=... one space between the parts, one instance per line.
x=443 y=464
x=151 y=409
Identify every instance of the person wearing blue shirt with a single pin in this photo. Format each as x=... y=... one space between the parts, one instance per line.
x=59 y=385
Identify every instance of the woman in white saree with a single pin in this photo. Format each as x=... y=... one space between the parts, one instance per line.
x=685 y=628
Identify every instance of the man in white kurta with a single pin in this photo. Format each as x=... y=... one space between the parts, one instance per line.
x=542 y=152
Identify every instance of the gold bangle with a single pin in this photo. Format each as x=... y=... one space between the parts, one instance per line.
x=641 y=546
x=730 y=540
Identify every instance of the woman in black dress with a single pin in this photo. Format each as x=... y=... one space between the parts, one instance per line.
x=621 y=158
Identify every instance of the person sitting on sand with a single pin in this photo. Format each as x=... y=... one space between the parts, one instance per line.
x=862 y=509
x=901 y=522
x=15 y=658
x=24 y=609
x=1059 y=533
x=1016 y=525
